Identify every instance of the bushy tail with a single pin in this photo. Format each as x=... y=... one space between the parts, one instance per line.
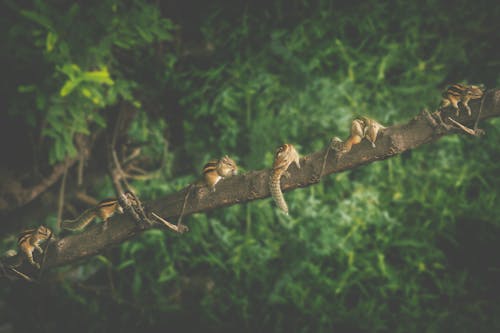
x=275 y=189
x=80 y=222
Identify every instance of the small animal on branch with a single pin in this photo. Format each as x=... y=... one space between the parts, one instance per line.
x=284 y=156
x=460 y=93
x=104 y=210
x=213 y=172
x=361 y=127
x=30 y=240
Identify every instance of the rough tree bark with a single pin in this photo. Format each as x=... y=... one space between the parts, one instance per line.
x=254 y=184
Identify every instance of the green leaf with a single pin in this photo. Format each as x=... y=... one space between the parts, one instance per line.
x=121 y=44
x=50 y=41
x=69 y=86
x=137 y=284
x=99 y=120
x=104 y=260
x=26 y=88
x=71 y=70
x=146 y=35
x=101 y=76
x=38 y=18
x=125 y=264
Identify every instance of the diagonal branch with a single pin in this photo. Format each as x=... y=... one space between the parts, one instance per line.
x=14 y=194
x=254 y=185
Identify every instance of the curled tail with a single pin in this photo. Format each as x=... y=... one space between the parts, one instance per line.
x=275 y=189
x=81 y=221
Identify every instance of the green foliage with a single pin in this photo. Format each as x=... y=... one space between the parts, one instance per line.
x=403 y=245
x=83 y=75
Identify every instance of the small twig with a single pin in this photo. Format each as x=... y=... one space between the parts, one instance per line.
x=122 y=198
x=325 y=158
x=179 y=221
x=2 y=269
x=335 y=144
x=109 y=272
x=470 y=131
x=81 y=164
x=476 y=123
x=135 y=153
x=87 y=199
x=139 y=170
x=61 y=199
x=24 y=276
x=44 y=256
x=177 y=228
x=126 y=198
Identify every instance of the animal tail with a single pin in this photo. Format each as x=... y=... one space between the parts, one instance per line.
x=80 y=222
x=275 y=189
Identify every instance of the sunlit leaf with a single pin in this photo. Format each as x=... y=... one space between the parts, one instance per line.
x=68 y=87
x=50 y=41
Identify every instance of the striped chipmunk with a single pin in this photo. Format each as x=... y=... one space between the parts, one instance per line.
x=284 y=156
x=104 y=210
x=30 y=240
x=362 y=127
x=460 y=93
x=215 y=170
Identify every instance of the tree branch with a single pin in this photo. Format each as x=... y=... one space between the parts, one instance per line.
x=254 y=184
x=14 y=194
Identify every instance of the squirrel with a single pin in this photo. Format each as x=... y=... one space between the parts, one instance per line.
x=285 y=155
x=213 y=172
x=371 y=130
x=216 y=170
x=460 y=93
x=30 y=239
x=362 y=127
x=104 y=210
x=357 y=134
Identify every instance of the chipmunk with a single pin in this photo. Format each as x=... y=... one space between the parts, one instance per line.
x=372 y=129
x=29 y=240
x=104 y=210
x=285 y=155
x=216 y=170
x=213 y=172
x=362 y=127
x=460 y=93
x=357 y=134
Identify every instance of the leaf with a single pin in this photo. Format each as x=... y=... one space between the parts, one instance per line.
x=71 y=70
x=86 y=92
x=101 y=76
x=125 y=264
x=36 y=17
x=99 y=120
x=104 y=260
x=26 y=88
x=50 y=41
x=69 y=86
x=121 y=44
x=146 y=35
x=167 y=274
x=137 y=284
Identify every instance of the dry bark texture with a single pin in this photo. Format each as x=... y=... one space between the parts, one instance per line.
x=254 y=184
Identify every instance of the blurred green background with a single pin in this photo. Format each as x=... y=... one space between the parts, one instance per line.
x=409 y=244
